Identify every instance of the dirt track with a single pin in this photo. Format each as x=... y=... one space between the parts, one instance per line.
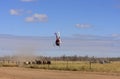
x=25 y=73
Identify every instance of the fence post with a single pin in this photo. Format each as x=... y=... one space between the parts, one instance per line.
x=90 y=63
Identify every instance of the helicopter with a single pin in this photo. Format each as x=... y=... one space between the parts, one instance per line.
x=58 y=40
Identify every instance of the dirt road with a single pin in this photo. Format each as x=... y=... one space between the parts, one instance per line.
x=26 y=73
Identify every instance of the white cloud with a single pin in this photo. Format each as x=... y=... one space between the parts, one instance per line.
x=19 y=12
x=15 y=11
x=28 y=0
x=83 y=25
x=37 y=18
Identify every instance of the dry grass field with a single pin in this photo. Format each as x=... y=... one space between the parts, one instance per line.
x=61 y=70
x=80 y=66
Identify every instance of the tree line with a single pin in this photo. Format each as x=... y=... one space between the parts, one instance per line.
x=66 y=58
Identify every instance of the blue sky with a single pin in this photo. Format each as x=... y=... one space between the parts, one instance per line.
x=84 y=19
x=96 y=17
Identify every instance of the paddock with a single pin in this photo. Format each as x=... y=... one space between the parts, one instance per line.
x=27 y=73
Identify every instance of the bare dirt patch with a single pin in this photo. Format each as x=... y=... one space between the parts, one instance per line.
x=27 y=73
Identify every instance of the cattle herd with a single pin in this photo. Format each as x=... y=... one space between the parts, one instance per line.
x=38 y=62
